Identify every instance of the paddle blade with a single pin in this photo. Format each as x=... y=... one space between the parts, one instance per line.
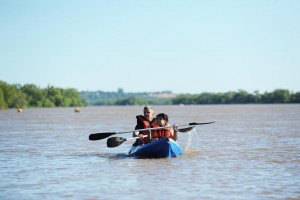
x=115 y=141
x=100 y=136
x=184 y=130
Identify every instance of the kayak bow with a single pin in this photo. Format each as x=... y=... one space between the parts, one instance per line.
x=163 y=148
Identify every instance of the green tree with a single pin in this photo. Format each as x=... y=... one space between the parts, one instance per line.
x=29 y=95
x=34 y=95
x=48 y=103
x=257 y=96
x=205 y=98
x=131 y=101
x=3 y=103
x=296 y=97
x=281 y=96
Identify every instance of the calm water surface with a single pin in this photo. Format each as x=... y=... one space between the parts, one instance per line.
x=251 y=152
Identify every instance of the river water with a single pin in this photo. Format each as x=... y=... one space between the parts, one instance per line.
x=251 y=152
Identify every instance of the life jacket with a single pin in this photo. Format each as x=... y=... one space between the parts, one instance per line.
x=146 y=124
x=161 y=133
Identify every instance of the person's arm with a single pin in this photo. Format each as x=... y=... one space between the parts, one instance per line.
x=174 y=132
x=136 y=133
x=149 y=136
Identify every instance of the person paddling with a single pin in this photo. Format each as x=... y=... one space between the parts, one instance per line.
x=144 y=121
x=162 y=120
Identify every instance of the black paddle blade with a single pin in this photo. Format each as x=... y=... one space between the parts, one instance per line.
x=100 y=136
x=115 y=141
x=184 y=130
x=195 y=123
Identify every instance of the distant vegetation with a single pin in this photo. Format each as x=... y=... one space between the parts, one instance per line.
x=239 y=97
x=29 y=95
x=168 y=98
x=121 y=98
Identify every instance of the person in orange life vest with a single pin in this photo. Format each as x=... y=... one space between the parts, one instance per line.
x=144 y=121
x=163 y=120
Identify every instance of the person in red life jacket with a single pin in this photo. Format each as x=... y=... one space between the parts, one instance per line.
x=144 y=121
x=162 y=120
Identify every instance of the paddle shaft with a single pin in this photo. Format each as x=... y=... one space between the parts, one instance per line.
x=99 y=136
x=149 y=129
x=133 y=138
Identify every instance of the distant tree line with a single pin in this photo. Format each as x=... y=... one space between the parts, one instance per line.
x=29 y=95
x=239 y=97
x=99 y=98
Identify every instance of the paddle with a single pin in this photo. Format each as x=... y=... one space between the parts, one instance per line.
x=184 y=130
x=117 y=141
x=100 y=136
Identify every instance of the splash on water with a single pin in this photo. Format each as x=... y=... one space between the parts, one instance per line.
x=192 y=141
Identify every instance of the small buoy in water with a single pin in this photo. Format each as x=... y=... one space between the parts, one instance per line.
x=77 y=110
x=20 y=110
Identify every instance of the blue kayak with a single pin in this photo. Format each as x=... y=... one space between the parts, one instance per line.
x=163 y=148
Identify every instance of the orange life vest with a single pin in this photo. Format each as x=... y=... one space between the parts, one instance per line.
x=161 y=133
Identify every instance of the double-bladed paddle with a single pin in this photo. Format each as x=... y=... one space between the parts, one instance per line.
x=117 y=141
x=100 y=136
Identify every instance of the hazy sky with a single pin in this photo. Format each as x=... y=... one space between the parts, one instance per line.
x=147 y=45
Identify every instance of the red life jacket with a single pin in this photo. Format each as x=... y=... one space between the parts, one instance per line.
x=161 y=133
x=146 y=124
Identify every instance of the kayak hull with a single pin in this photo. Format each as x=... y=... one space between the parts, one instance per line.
x=163 y=148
